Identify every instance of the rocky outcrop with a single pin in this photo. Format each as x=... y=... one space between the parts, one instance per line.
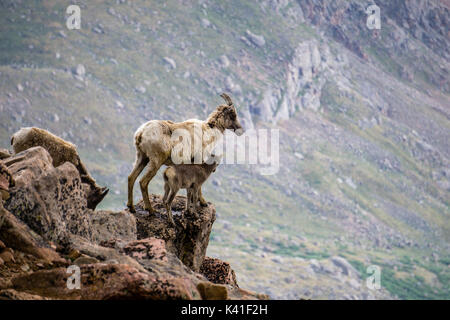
x=411 y=25
x=189 y=238
x=45 y=228
x=305 y=78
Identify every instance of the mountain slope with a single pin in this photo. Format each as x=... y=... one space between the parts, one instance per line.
x=363 y=118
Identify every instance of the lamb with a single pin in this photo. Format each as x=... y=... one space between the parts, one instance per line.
x=154 y=145
x=189 y=177
x=61 y=151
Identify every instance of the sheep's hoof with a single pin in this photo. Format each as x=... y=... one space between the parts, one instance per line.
x=132 y=209
x=204 y=204
x=150 y=210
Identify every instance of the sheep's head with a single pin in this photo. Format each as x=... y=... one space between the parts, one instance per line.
x=229 y=116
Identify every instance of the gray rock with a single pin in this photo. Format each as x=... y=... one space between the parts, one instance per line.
x=79 y=70
x=205 y=23
x=51 y=201
x=345 y=266
x=224 y=61
x=257 y=40
x=170 y=62
x=107 y=225
x=141 y=89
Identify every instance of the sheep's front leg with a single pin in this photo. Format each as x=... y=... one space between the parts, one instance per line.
x=169 y=206
x=203 y=202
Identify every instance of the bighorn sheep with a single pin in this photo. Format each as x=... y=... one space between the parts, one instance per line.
x=154 y=144
x=61 y=151
x=6 y=181
x=189 y=177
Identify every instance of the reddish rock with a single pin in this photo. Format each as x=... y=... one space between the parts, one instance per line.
x=7 y=256
x=11 y=294
x=105 y=281
x=218 y=271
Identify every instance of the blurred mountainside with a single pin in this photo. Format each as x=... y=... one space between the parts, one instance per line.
x=364 y=119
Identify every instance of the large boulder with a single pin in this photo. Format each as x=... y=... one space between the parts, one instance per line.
x=107 y=225
x=188 y=239
x=51 y=201
x=16 y=235
x=218 y=271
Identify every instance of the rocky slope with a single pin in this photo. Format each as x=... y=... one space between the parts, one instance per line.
x=46 y=229
x=363 y=118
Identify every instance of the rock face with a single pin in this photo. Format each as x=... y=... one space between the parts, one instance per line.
x=188 y=239
x=48 y=235
x=51 y=201
x=306 y=74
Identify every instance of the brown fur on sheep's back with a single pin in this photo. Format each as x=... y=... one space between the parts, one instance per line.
x=59 y=149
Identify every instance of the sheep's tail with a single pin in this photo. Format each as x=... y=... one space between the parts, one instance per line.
x=165 y=176
x=12 y=140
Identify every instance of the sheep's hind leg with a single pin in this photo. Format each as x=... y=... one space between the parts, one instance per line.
x=166 y=193
x=139 y=165
x=203 y=202
x=151 y=172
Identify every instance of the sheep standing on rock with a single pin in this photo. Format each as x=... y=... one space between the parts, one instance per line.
x=189 y=177
x=61 y=151
x=154 y=144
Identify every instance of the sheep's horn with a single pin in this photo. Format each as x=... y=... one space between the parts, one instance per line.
x=227 y=98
